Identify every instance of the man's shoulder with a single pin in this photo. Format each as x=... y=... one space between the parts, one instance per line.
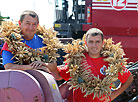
x=5 y=48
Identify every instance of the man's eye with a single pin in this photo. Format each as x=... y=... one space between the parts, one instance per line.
x=90 y=41
x=97 y=41
x=27 y=23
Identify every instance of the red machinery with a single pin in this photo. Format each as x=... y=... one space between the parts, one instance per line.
x=116 y=18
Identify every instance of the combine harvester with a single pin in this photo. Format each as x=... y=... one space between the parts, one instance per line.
x=116 y=18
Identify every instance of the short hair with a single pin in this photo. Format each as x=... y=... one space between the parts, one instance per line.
x=94 y=32
x=30 y=13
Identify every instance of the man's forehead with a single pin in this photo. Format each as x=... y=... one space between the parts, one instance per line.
x=97 y=37
x=94 y=36
x=30 y=19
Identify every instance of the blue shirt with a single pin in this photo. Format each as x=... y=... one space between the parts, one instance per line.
x=34 y=43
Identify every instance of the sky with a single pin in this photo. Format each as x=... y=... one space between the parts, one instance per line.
x=44 y=8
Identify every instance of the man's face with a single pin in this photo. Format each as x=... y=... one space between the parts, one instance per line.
x=28 y=26
x=94 y=44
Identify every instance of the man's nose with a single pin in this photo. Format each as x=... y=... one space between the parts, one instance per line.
x=93 y=45
x=31 y=26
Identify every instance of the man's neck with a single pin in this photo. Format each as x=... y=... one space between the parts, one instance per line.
x=28 y=37
x=94 y=55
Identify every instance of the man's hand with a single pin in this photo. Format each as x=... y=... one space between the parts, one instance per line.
x=51 y=66
x=48 y=67
x=122 y=88
x=37 y=64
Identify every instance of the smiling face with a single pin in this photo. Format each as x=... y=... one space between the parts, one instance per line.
x=94 y=44
x=28 y=26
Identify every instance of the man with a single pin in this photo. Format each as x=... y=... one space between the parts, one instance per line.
x=28 y=24
x=35 y=48
x=94 y=43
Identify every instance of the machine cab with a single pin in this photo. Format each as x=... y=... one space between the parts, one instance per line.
x=70 y=15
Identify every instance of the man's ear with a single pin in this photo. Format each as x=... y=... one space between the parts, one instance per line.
x=37 y=24
x=85 y=42
x=19 y=22
x=103 y=42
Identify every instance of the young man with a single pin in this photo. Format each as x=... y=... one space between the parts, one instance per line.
x=94 y=43
x=28 y=24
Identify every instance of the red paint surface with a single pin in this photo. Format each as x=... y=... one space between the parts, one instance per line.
x=121 y=25
x=129 y=44
x=112 y=22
